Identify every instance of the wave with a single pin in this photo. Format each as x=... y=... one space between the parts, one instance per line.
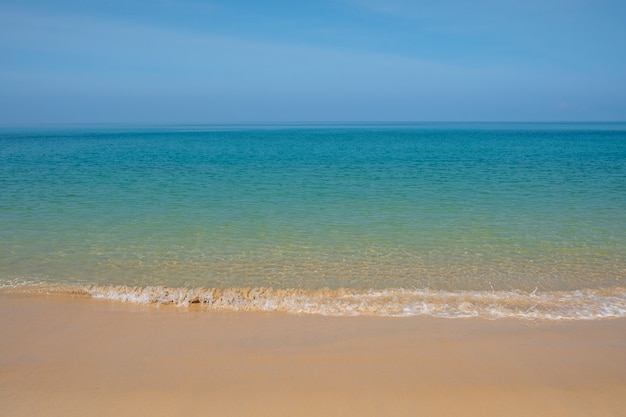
x=587 y=304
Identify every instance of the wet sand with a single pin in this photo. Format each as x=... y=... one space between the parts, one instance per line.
x=75 y=356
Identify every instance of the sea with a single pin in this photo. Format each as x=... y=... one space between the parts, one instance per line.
x=493 y=220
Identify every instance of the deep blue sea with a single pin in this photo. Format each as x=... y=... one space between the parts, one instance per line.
x=495 y=220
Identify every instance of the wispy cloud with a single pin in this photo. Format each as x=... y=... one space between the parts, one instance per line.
x=87 y=58
x=118 y=49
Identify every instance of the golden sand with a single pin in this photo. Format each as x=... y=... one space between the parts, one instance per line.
x=75 y=356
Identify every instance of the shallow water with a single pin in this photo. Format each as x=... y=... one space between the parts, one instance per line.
x=451 y=208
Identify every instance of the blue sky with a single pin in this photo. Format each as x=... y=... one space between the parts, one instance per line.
x=167 y=61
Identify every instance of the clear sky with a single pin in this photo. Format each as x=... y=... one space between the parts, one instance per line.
x=194 y=61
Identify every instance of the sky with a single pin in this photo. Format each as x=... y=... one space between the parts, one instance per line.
x=237 y=61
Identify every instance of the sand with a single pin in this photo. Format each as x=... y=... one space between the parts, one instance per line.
x=75 y=356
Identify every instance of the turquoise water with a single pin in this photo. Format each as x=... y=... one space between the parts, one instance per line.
x=446 y=209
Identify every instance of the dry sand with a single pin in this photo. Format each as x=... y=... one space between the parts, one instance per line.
x=63 y=356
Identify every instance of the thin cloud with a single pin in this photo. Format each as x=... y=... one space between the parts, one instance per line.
x=69 y=64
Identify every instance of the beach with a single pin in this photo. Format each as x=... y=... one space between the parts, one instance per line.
x=312 y=209
x=74 y=355
x=385 y=269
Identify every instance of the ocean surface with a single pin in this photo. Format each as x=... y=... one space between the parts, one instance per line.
x=453 y=220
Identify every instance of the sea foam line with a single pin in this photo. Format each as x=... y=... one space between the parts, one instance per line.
x=587 y=304
x=564 y=305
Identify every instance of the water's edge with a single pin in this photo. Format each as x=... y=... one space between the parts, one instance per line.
x=589 y=304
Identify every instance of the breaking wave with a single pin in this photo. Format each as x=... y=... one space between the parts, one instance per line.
x=554 y=305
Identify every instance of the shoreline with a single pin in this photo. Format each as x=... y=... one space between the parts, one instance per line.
x=71 y=355
x=583 y=304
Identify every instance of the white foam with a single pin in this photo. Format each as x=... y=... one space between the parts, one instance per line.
x=587 y=304
x=565 y=305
